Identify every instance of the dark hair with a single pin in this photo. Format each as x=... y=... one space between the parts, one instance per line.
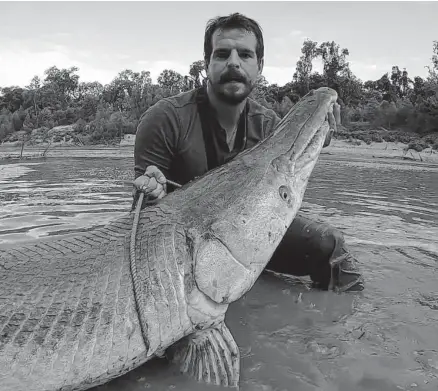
x=233 y=21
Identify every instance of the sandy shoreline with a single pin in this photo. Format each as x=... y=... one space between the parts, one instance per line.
x=10 y=152
x=337 y=148
x=388 y=150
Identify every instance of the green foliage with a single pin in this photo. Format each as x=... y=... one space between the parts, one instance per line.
x=370 y=110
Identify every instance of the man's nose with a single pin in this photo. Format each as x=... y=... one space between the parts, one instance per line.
x=234 y=59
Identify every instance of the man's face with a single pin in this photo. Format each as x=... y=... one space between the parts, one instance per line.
x=234 y=67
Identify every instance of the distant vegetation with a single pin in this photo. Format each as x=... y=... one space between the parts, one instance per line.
x=395 y=107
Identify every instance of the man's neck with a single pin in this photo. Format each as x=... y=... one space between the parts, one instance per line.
x=227 y=115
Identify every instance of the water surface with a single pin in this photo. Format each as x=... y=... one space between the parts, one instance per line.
x=291 y=338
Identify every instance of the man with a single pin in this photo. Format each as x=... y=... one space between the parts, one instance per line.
x=184 y=136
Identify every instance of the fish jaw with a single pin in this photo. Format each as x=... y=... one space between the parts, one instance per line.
x=304 y=130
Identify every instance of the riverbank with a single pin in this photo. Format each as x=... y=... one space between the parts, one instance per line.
x=12 y=152
x=380 y=150
x=341 y=148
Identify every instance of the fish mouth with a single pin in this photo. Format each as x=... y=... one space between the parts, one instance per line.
x=303 y=154
x=305 y=157
x=309 y=123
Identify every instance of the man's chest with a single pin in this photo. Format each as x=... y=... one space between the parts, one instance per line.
x=199 y=154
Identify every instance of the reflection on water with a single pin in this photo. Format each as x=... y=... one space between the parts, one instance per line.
x=291 y=338
x=59 y=197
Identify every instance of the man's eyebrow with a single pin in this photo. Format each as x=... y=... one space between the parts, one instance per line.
x=245 y=50
x=240 y=49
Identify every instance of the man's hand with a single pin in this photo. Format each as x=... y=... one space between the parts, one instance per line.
x=152 y=183
x=334 y=119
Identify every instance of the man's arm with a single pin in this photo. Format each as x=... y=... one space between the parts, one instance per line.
x=156 y=139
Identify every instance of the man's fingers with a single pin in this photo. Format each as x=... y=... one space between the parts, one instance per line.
x=331 y=121
x=155 y=193
x=155 y=172
x=145 y=184
x=150 y=186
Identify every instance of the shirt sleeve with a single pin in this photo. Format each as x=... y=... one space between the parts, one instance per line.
x=156 y=138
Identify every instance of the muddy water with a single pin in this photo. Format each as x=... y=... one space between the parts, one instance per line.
x=291 y=338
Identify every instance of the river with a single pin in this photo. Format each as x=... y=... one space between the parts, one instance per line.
x=291 y=337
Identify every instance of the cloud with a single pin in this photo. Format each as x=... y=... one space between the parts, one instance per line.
x=294 y=38
x=369 y=69
x=122 y=56
x=21 y=60
x=278 y=75
x=19 y=65
x=295 y=33
x=55 y=35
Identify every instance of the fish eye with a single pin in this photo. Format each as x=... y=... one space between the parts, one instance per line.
x=285 y=193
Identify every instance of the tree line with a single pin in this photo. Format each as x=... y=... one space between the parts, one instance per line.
x=104 y=113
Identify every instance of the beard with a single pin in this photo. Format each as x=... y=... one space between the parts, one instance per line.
x=232 y=88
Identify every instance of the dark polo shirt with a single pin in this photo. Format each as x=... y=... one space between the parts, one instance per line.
x=170 y=136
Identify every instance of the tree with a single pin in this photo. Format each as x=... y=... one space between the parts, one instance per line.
x=6 y=127
x=11 y=98
x=350 y=90
x=88 y=97
x=260 y=90
x=304 y=66
x=128 y=91
x=334 y=61
x=32 y=99
x=106 y=112
x=197 y=73
x=386 y=88
x=172 y=80
x=336 y=72
x=61 y=84
x=405 y=83
x=401 y=84
x=433 y=70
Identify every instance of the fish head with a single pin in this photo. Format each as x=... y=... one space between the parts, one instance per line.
x=262 y=190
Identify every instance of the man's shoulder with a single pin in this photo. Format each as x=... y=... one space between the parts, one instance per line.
x=172 y=108
x=186 y=99
x=257 y=109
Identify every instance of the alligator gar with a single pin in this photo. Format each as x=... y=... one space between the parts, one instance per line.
x=74 y=312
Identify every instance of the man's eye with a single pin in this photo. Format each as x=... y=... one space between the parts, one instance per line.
x=222 y=54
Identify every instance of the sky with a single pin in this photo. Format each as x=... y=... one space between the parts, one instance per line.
x=104 y=38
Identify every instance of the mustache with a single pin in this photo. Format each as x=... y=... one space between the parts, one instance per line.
x=232 y=76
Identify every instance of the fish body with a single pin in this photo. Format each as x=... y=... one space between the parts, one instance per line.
x=79 y=311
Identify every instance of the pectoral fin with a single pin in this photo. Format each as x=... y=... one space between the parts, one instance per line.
x=211 y=356
x=219 y=275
